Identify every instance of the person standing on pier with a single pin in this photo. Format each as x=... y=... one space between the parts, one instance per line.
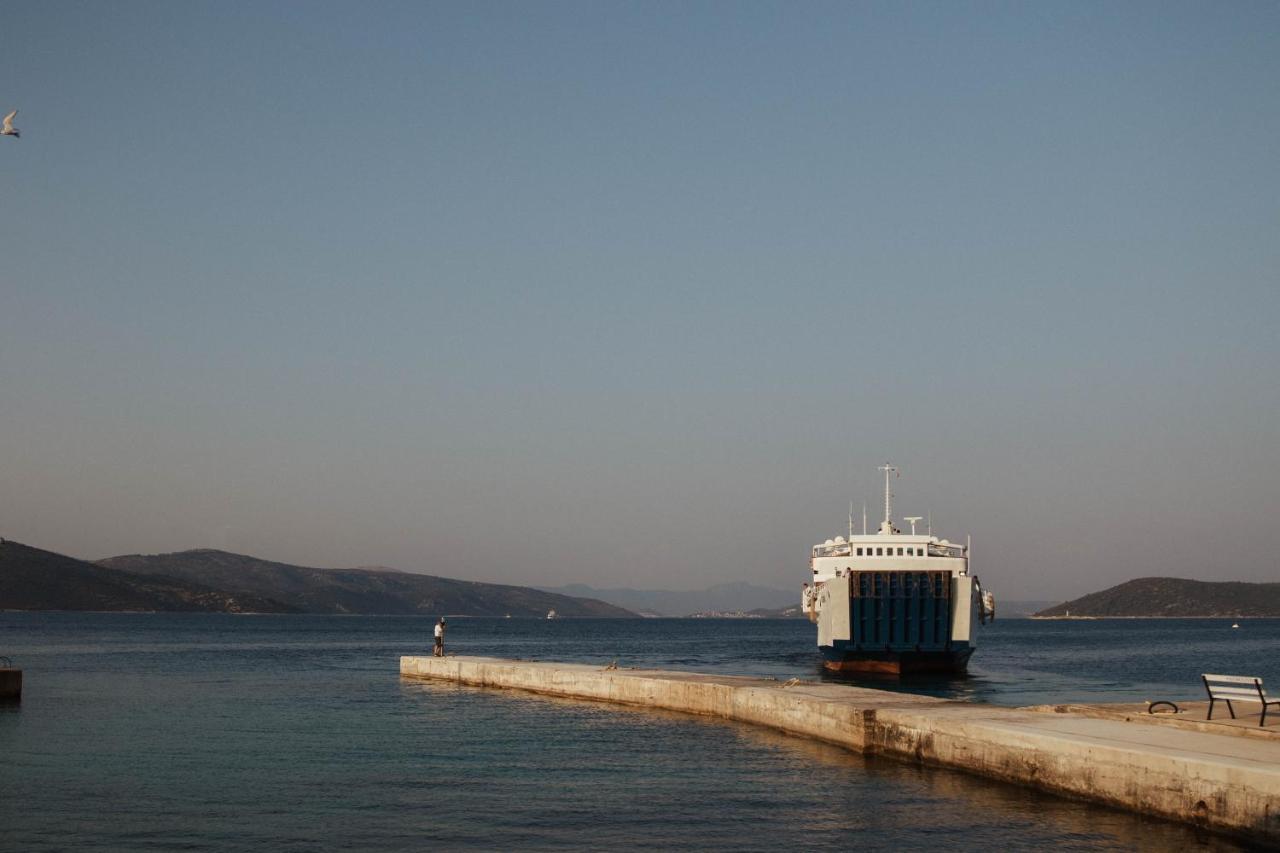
x=439 y=650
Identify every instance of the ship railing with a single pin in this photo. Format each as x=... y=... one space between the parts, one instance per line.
x=845 y=551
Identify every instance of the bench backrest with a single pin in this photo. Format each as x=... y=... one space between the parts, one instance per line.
x=1237 y=688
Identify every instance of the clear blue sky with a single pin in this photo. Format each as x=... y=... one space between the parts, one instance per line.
x=640 y=294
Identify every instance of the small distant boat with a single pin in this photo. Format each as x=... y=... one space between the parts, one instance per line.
x=1235 y=624
x=551 y=614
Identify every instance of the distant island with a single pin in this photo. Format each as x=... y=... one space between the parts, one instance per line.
x=726 y=598
x=220 y=582
x=1173 y=598
x=792 y=612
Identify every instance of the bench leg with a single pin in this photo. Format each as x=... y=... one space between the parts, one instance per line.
x=1230 y=710
x=1211 y=701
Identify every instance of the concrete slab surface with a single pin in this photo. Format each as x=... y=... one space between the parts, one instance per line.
x=1192 y=716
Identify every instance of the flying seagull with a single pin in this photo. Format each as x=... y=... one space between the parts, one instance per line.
x=9 y=129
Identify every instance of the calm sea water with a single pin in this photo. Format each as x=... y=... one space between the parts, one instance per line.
x=214 y=732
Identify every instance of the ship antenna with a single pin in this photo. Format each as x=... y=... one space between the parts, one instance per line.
x=912 y=520
x=850 y=519
x=864 y=518
x=887 y=526
x=930 y=522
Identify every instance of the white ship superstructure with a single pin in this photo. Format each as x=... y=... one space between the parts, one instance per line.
x=894 y=602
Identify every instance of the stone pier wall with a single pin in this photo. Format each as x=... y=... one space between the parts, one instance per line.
x=1218 y=781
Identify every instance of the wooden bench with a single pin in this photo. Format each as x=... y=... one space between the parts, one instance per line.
x=1237 y=688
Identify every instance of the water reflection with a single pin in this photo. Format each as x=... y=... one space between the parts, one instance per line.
x=961 y=686
x=833 y=797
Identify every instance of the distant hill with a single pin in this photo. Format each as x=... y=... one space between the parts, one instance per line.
x=379 y=590
x=792 y=612
x=722 y=598
x=1016 y=609
x=1174 y=597
x=32 y=579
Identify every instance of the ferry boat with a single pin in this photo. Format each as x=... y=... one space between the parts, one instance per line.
x=893 y=602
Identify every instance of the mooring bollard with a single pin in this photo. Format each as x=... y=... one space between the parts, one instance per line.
x=10 y=680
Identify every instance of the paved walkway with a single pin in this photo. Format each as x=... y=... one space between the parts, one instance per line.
x=1191 y=716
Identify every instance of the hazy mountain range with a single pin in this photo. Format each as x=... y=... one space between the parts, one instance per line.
x=1017 y=609
x=723 y=597
x=32 y=579
x=216 y=581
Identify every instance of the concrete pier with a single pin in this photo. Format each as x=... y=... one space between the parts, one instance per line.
x=1215 y=779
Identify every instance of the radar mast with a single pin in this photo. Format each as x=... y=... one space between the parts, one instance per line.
x=886 y=526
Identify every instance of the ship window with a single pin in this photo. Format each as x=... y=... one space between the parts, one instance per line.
x=879 y=552
x=911 y=552
x=859 y=552
x=899 y=552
